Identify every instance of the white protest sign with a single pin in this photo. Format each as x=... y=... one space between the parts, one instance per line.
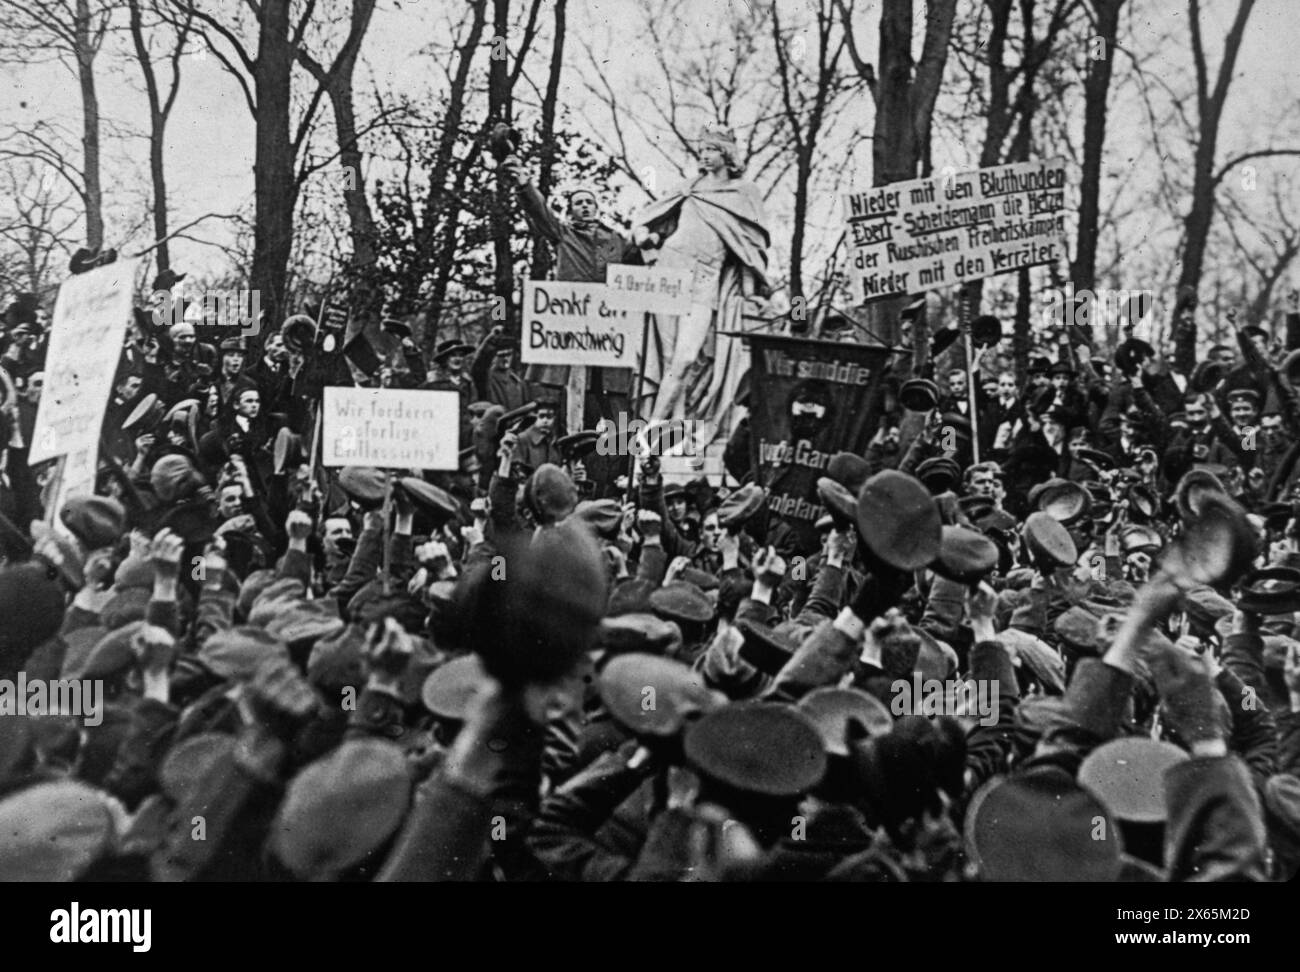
x=913 y=236
x=572 y=324
x=658 y=290
x=86 y=338
x=391 y=428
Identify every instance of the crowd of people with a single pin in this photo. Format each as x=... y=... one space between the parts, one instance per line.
x=1076 y=658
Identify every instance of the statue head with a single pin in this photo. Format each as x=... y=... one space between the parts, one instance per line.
x=722 y=141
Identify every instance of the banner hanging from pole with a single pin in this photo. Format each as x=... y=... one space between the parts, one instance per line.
x=808 y=401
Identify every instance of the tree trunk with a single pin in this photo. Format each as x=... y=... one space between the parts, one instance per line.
x=499 y=110
x=89 y=127
x=1196 y=226
x=157 y=131
x=904 y=109
x=436 y=205
x=1096 y=88
x=275 y=189
x=542 y=259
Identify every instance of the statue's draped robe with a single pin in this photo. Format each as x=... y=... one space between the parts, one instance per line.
x=722 y=233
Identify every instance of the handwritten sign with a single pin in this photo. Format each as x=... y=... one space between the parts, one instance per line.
x=913 y=236
x=390 y=428
x=572 y=324
x=86 y=337
x=658 y=290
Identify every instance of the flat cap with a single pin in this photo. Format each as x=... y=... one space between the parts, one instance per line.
x=842 y=715
x=653 y=696
x=97 y=521
x=236 y=652
x=1041 y=826
x=304 y=620
x=682 y=601
x=740 y=506
x=1048 y=541
x=898 y=520
x=849 y=470
x=965 y=555
x=54 y=832
x=757 y=747
x=341 y=808
x=449 y=688
x=1128 y=776
x=639 y=632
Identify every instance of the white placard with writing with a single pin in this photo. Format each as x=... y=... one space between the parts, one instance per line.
x=908 y=237
x=569 y=323
x=658 y=290
x=86 y=336
x=390 y=428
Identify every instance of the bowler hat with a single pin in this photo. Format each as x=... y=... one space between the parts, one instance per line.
x=1195 y=484
x=1206 y=376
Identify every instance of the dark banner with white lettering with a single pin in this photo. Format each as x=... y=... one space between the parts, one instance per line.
x=809 y=400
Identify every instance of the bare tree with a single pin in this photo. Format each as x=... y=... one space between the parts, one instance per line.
x=1210 y=101
x=37 y=225
x=71 y=32
x=336 y=81
x=160 y=105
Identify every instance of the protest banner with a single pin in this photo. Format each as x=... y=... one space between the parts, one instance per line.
x=86 y=336
x=907 y=237
x=654 y=290
x=390 y=428
x=810 y=400
x=569 y=323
